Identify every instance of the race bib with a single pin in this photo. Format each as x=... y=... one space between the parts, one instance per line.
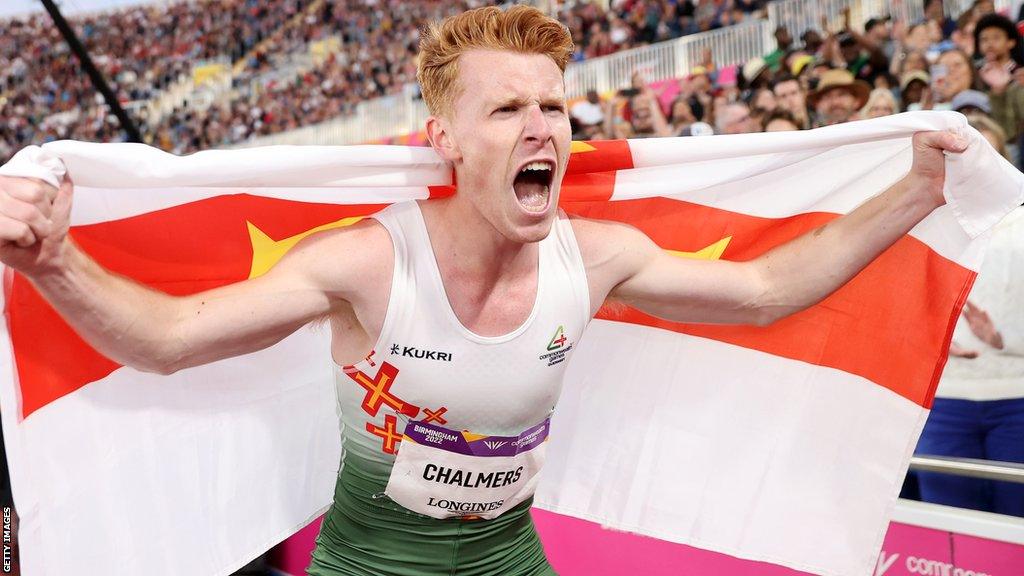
x=444 y=473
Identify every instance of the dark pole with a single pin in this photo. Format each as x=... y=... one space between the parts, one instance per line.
x=97 y=79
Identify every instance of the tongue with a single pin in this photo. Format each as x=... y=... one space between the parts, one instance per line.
x=532 y=195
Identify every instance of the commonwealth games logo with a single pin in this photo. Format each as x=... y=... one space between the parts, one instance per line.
x=558 y=340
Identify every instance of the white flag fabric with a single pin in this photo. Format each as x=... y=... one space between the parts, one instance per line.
x=786 y=444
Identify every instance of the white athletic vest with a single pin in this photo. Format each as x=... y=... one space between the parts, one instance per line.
x=427 y=367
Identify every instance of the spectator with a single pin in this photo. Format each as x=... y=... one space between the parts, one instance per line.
x=792 y=98
x=781 y=121
x=878 y=36
x=734 y=118
x=863 y=56
x=912 y=88
x=991 y=131
x=1001 y=47
x=755 y=74
x=812 y=40
x=978 y=411
x=972 y=102
x=784 y=42
x=880 y=103
x=588 y=112
x=681 y=116
x=952 y=75
x=646 y=119
x=763 y=99
x=838 y=96
x=935 y=17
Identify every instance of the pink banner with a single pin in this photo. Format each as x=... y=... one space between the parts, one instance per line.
x=580 y=548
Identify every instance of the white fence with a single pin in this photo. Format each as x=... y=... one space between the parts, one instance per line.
x=670 y=59
x=402 y=114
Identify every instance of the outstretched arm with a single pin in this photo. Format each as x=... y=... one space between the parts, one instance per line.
x=623 y=264
x=147 y=329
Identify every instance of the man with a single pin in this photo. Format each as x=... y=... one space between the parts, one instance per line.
x=784 y=42
x=878 y=36
x=436 y=308
x=791 y=97
x=837 y=97
x=735 y=118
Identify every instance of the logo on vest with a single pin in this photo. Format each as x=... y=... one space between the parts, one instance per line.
x=414 y=352
x=558 y=347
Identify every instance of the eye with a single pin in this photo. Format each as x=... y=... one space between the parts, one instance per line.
x=554 y=108
x=507 y=109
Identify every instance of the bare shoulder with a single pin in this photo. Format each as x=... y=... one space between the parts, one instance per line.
x=343 y=261
x=604 y=241
x=612 y=253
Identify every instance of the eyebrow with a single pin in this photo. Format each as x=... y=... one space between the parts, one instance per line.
x=520 y=101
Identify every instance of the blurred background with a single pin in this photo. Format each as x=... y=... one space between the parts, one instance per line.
x=191 y=75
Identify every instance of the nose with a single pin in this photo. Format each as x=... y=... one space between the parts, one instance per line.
x=536 y=128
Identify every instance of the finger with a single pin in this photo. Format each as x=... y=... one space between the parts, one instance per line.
x=15 y=231
x=945 y=141
x=62 y=204
x=34 y=192
x=27 y=213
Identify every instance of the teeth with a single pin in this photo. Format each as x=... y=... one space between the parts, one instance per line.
x=537 y=166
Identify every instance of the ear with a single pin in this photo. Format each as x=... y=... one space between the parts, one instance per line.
x=442 y=140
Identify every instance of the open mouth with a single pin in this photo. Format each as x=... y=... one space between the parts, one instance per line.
x=532 y=185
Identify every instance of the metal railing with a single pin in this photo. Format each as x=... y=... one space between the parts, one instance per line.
x=670 y=59
x=399 y=115
x=987 y=469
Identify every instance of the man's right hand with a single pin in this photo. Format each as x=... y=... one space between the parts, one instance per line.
x=34 y=222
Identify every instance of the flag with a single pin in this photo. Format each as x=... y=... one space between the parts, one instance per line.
x=785 y=443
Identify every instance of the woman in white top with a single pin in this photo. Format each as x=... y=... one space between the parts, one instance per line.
x=979 y=405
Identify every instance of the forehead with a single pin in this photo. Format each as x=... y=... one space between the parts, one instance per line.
x=499 y=75
x=787 y=86
x=993 y=32
x=837 y=92
x=953 y=58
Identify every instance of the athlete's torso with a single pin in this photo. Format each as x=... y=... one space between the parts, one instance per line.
x=427 y=366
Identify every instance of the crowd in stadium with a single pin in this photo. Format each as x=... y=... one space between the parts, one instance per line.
x=823 y=77
x=45 y=95
x=971 y=65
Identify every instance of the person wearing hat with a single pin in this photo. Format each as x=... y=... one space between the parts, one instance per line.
x=755 y=73
x=970 y=102
x=838 y=96
x=912 y=87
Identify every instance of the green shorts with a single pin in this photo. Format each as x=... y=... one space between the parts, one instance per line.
x=365 y=534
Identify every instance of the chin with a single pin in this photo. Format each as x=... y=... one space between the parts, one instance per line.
x=526 y=227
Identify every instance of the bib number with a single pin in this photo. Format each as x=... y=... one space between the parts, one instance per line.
x=444 y=473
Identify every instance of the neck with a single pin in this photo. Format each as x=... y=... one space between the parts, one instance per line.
x=466 y=241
